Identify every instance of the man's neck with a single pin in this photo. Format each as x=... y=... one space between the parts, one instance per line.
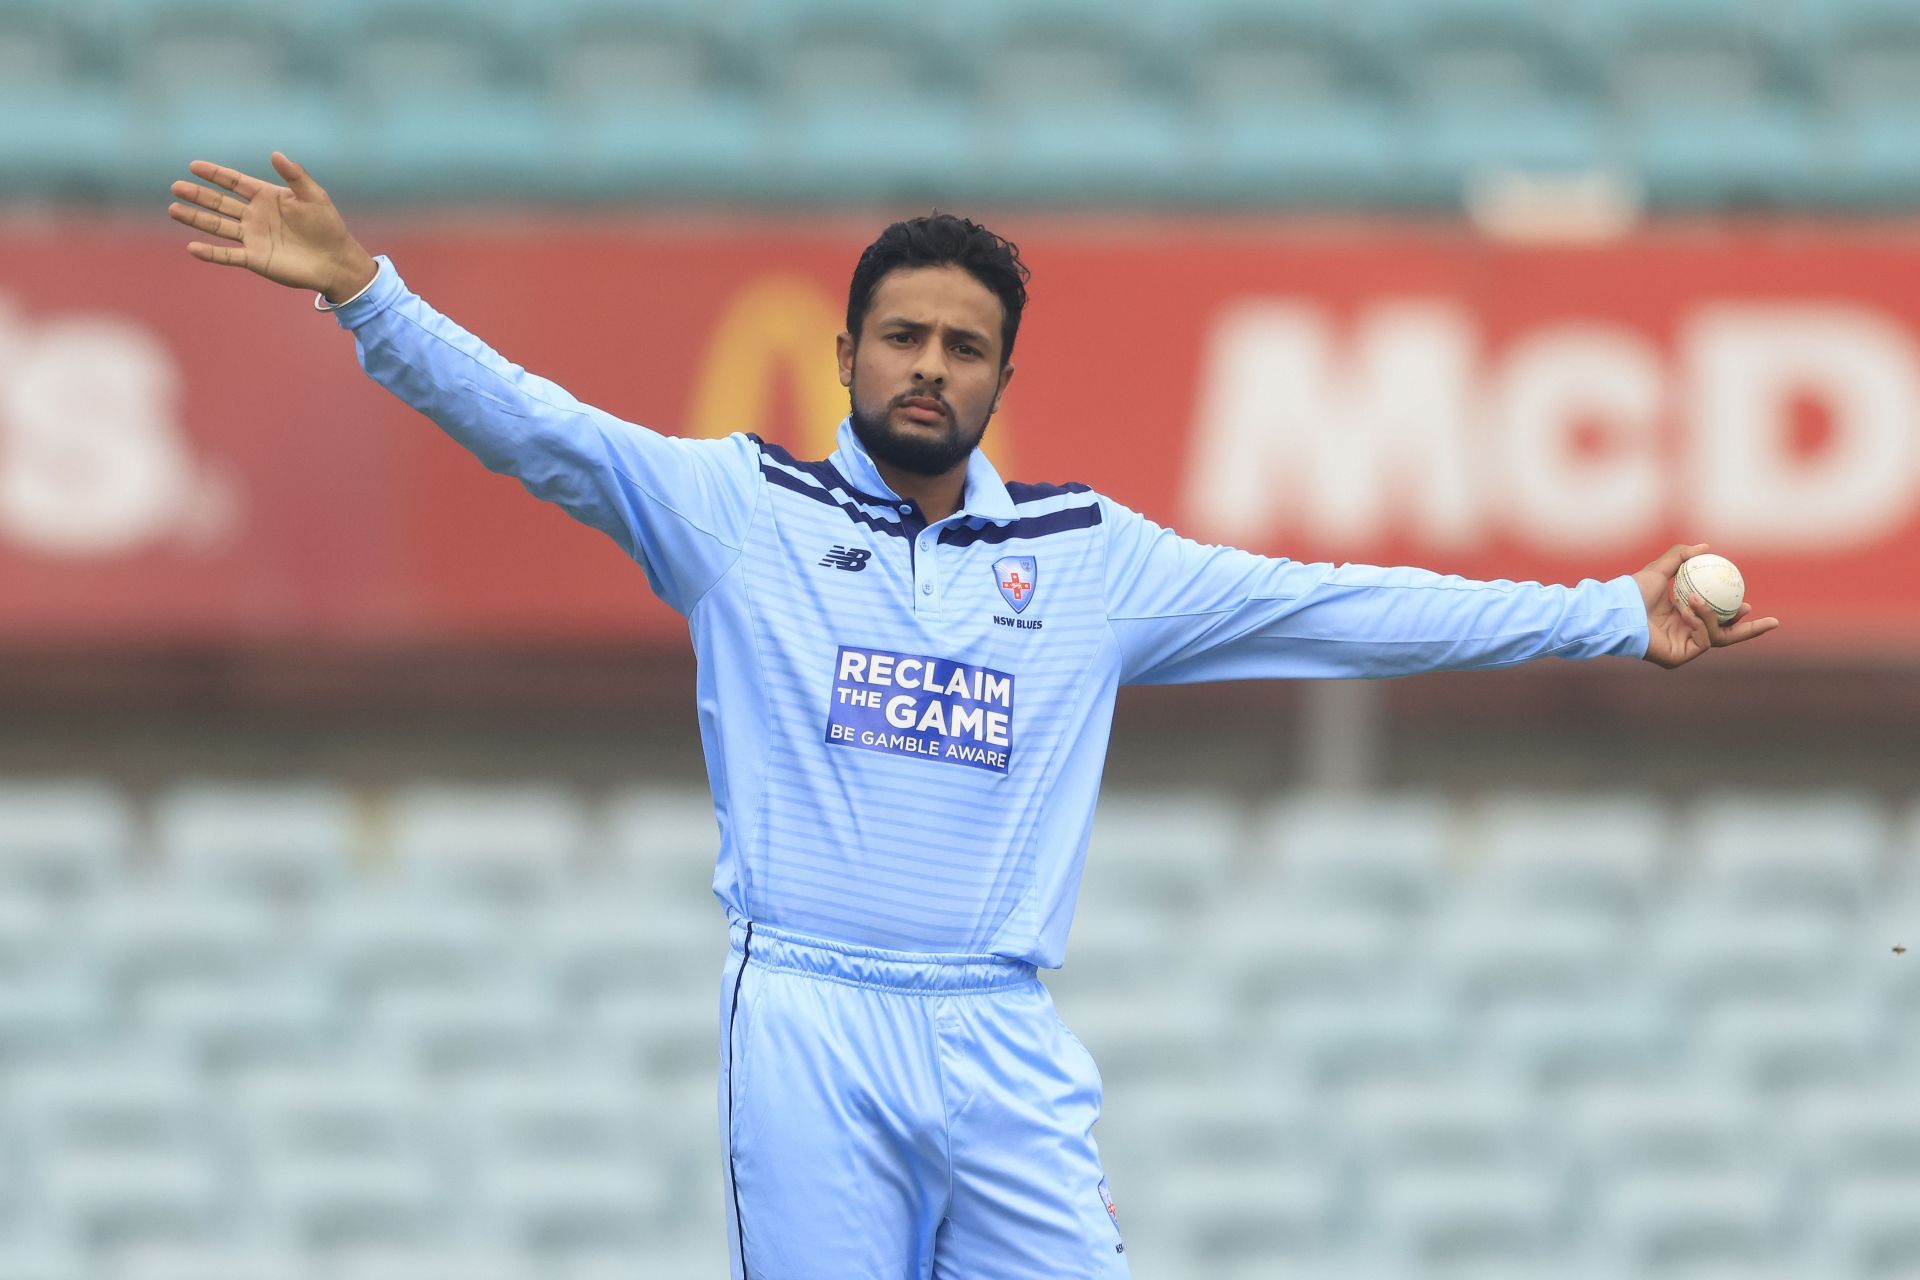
x=937 y=496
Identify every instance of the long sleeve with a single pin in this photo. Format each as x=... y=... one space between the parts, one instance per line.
x=1184 y=611
x=680 y=507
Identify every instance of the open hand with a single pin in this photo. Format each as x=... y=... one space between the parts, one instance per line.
x=292 y=235
x=1676 y=636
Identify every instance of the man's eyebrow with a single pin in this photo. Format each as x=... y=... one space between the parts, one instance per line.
x=901 y=322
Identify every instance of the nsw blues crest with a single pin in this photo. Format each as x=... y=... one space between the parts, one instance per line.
x=1017 y=577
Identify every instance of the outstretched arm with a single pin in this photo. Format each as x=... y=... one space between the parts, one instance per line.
x=679 y=507
x=1184 y=611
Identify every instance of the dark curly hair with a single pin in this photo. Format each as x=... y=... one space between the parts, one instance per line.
x=939 y=240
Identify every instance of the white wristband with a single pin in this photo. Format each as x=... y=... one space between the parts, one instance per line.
x=320 y=302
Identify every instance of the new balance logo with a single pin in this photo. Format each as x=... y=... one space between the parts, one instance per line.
x=852 y=559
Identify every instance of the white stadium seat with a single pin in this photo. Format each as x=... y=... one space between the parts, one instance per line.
x=1578 y=850
x=1685 y=1125
x=1857 y=1129
x=558 y=1204
x=332 y=1202
x=1466 y=1219
x=1229 y=1114
x=1660 y=1223
x=35 y=935
x=1802 y=852
x=1486 y=950
x=663 y=841
x=660 y=1260
x=498 y=843
x=378 y=937
x=63 y=837
x=1793 y=1044
x=1387 y=850
x=509 y=1022
x=1559 y=1042
x=283 y=840
x=356 y=1105
x=126 y=1102
x=1711 y=952
x=446 y=1262
x=216 y=1262
x=1339 y=1041
x=52 y=1015
x=148 y=931
x=589 y=1111
x=604 y=938
x=1288 y=951
x=31 y=1259
x=1173 y=851
x=661 y=1032
x=1448 y=1121
x=223 y=1022
x=123 y=1200
x=1869 y=1225
x=1223 y=1214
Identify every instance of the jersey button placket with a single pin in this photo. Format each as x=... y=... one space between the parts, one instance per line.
x=923 y=565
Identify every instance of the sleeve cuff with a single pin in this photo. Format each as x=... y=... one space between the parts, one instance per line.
x=369 y=302
x=1632 y=610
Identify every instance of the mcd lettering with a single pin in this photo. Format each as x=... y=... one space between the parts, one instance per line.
x=909 y=705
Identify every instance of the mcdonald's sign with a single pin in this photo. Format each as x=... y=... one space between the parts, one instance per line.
x=1390 y=393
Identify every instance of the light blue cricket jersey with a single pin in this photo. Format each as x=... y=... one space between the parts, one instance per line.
x=905 y=723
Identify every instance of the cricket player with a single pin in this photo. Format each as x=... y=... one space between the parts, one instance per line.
x=907 y=669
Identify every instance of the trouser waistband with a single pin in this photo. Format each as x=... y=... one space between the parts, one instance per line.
x=923 y=972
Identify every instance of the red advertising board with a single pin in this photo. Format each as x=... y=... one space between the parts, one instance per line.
x=189 y=454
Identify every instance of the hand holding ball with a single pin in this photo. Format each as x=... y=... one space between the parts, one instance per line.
x=1677 y=633
x=1715 y=580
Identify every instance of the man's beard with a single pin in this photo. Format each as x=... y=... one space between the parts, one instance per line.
x=920 y=454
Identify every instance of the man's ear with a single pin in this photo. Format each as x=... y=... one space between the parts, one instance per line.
x=1006 y=376
x=843 y=349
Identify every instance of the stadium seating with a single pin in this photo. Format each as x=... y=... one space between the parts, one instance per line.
x=1806 y=854
x=1868 y=65
x=1572 y=851
x=1491 y=86
x=48 y=1015
x=305 y=1031
x=215 y=1263
x=277 y=842
x=1289 y=101
x=62 y=839
x=1708 y=103
x=1387 y=855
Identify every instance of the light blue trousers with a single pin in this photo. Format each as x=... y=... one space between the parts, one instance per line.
x=891 y=1115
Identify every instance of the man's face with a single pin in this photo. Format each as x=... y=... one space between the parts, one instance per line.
x=925 y=373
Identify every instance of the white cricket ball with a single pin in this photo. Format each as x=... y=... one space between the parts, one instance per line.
x=1715 y=580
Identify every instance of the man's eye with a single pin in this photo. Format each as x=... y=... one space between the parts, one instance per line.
x=964 y=347
x=904 y=337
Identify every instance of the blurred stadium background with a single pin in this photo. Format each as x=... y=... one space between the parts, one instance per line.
x=354 y=844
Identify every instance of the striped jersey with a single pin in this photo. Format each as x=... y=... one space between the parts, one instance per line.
x=905 y=721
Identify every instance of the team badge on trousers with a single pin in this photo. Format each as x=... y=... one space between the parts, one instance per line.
x=1016 y=577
